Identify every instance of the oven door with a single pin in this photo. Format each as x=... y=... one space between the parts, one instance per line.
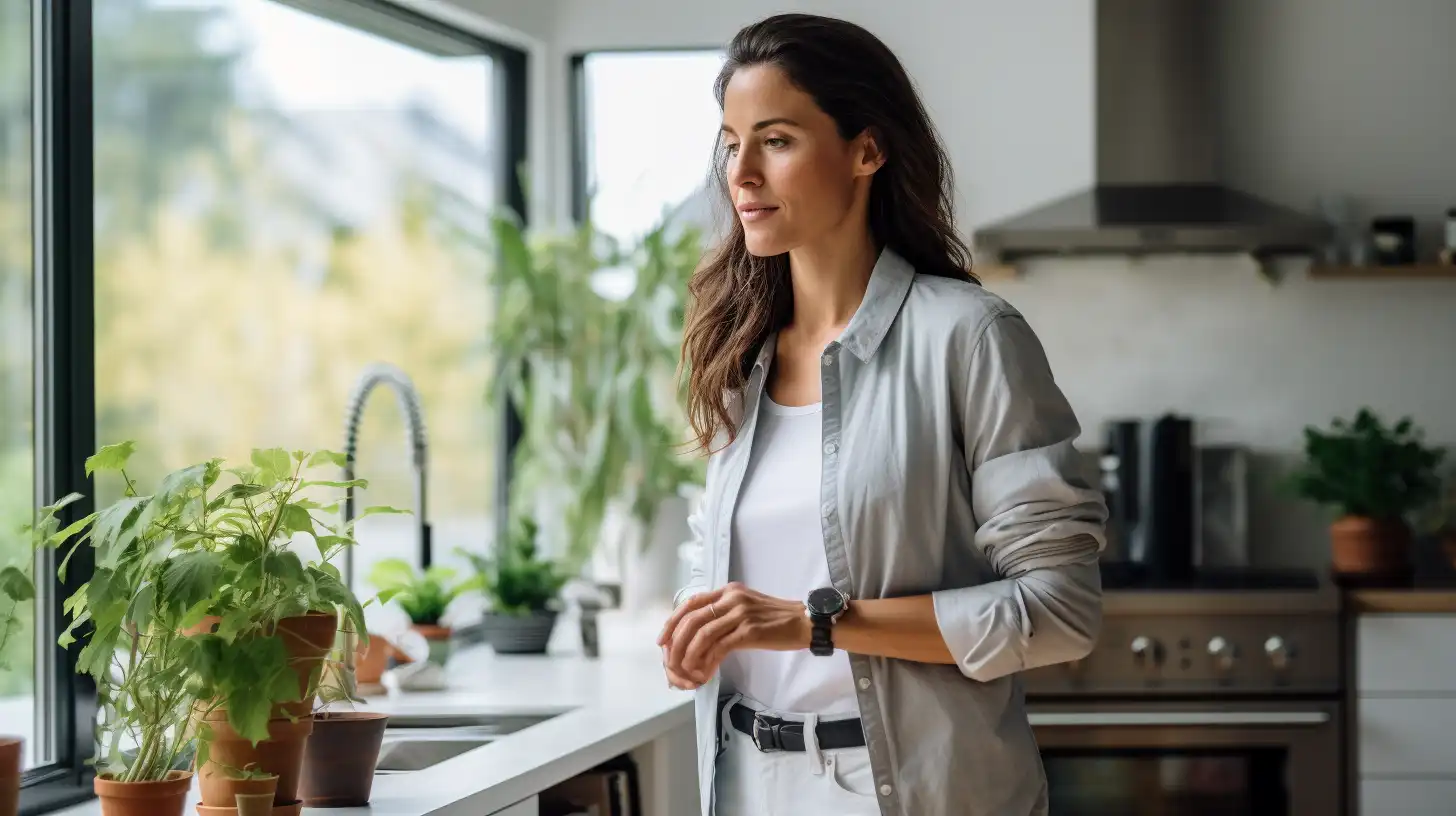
x=1205 y=759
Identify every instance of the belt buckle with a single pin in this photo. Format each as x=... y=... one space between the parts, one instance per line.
x=765 y=736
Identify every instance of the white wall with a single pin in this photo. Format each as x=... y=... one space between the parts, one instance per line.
x=1332 y=96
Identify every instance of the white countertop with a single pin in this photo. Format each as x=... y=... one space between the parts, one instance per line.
x=612 y=704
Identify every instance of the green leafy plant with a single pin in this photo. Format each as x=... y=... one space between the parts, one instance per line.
x=593 y=377
x=1364 y=468
x=424 y=596
x=199 y=546
x=518 y=581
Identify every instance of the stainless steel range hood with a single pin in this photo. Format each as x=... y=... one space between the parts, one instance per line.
x=1158 y=186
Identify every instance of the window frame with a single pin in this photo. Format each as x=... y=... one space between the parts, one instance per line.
x=63 y=255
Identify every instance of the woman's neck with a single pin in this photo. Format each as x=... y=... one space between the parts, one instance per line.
x=829 y=280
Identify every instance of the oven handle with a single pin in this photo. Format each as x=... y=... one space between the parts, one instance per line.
x=1074 y=719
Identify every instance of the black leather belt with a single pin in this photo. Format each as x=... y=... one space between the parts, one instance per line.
x=775 y=734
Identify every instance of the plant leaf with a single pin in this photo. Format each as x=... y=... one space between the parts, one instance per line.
x=295 y=519
x=191 y=578
x=274 y=464
x=326 y=457
x=110 y=457
x=16 y=585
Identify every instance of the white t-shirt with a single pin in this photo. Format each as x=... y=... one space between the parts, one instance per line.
x=778 y=548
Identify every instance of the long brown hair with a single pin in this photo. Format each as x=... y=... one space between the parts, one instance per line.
x=738 y=299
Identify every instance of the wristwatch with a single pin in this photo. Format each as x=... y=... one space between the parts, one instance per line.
x=824 y=606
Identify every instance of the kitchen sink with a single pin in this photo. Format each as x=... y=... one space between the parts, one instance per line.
x=413 y=742
x=411 y=754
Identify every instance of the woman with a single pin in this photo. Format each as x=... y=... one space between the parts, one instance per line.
x=893 y=525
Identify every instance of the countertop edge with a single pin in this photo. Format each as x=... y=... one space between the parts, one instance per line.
x=1401 y=601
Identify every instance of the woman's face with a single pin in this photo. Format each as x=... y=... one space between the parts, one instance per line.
x=793 y=179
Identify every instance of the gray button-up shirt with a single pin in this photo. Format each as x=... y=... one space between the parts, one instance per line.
x=949 y=469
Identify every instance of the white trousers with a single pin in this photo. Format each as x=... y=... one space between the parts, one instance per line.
x=813 y=782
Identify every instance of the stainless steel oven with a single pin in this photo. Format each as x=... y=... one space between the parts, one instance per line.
x=1213 y=703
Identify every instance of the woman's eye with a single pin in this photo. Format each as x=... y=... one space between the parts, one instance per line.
x=730 y=149
x=776 y=141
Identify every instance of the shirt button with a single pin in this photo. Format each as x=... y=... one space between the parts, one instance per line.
x=864 y=682
x=830 y=448
x=829 y=359
x=886 y=790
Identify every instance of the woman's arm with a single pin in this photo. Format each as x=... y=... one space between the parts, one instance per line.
x=1041 y=525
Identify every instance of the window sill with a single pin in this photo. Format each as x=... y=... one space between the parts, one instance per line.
x=46 y=797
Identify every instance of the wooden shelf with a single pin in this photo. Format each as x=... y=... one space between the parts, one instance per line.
x=1424 y=271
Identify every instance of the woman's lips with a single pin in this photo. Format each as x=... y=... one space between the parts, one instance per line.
x=755 y=213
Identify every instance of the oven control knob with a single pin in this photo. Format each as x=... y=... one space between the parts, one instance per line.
x=1279 y=652
x=1146 y=652
x=1223 y=653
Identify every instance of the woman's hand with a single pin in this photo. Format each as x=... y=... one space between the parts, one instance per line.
x=709 y=625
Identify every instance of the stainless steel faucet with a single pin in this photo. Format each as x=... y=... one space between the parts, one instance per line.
x=409 y=403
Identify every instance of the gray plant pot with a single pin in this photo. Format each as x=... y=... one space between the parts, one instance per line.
x=523 y=634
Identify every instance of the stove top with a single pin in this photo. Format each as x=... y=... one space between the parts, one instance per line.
x=1129 y=576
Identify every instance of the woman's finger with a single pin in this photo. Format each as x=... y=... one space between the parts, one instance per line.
x=707 y=639
x=683 y=635
x=688 y=606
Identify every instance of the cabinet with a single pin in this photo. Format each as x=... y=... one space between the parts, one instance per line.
x=1405 y=713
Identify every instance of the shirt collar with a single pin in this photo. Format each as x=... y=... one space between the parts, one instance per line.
x=889 y=284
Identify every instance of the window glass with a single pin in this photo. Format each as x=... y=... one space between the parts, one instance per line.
x=17 y=364
x=283 y=200
x=651 y=124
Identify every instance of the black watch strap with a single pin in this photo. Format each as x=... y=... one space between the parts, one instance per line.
x=821 y=639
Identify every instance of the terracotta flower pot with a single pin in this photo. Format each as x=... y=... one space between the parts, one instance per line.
x=1361 y=546
x=10 y=751
x=338 y=764
x=371 y=661
x=280 y=754
x=165 y=798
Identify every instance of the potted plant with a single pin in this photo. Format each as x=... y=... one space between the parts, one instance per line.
x=138 y=603
x=342 y=752
x=1374 y=477
x=271 y=618
x=424 y=596
x=523 y=590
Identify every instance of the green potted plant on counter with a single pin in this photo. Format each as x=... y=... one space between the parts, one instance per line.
x=275 y=618
x=424 y=595
x=523 y=589
x=1374 y=477
x=137 y=603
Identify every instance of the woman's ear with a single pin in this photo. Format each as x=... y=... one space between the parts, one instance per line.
x=869 y=154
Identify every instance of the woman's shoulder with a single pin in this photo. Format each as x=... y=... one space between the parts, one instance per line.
x=948 y=307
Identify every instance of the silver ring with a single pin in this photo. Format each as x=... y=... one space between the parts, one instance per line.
x=713 y=610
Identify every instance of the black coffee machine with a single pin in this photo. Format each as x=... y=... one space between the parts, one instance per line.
x=1148 y=478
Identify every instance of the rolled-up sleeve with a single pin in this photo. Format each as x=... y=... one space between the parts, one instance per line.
x=1039 y=523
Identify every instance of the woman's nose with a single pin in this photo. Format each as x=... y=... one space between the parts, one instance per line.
x=743 y=171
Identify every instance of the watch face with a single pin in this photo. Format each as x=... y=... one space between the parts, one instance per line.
x=825 y=601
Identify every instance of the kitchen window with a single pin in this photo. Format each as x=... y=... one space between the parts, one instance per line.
x=646 y=127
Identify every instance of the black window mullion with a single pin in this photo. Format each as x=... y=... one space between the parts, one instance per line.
x=65 y=387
